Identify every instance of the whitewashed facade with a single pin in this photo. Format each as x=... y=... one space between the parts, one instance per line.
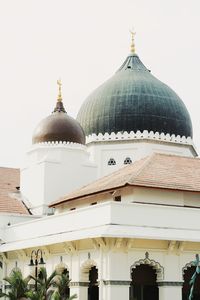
x=131 y=243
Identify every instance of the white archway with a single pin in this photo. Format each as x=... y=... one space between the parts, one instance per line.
x=61 y=267
x=85 y=268
x=154 y=264
x=187 y=266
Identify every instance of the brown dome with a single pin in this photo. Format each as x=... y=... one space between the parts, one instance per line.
x=59 y=127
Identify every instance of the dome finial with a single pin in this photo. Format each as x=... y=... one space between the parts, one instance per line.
x=59 y=105
x=59 y=90
x=132 y=41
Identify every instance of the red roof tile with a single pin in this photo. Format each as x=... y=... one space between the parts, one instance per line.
x=157 y=171
x=9 y=180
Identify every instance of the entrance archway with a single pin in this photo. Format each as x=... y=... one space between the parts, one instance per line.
x=143 y=283
x=93 y=288
x=187 y=275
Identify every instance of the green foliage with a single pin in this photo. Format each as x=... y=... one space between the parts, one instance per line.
x=54 y=287
x=57 y=296
x=61 y=285
x=34 y=295
x=18 y=286
x=44 y=284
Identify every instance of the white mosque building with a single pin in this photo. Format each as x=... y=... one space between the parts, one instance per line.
x=112 y=198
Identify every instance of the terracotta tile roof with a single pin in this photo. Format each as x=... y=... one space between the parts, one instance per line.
x=9 y=180
x=157 y=171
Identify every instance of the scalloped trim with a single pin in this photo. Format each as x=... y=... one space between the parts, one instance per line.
x=154 y=264
x=59 y=144
x=85 y=268
x=187 y=266
x=139 y=135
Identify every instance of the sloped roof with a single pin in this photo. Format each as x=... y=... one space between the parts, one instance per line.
x=156 y=171
x=9 y=180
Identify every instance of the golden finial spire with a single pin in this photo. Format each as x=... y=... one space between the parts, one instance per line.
x=59 y=90
x=132 y=41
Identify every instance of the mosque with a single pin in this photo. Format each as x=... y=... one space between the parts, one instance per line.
x=113 y=197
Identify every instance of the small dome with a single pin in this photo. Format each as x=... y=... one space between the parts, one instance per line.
x=59 y=127
x=133 y=99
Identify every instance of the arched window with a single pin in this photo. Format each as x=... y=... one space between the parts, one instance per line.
x=93 y=288
x=127 y=161
x=143 y=283
x=186 y=285
x=111 y=162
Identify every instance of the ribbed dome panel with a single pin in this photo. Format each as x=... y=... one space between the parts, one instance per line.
x=133 y=99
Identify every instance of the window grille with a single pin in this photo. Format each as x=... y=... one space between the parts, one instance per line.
x=111 y=162
x=118 y=198
x=127 y=161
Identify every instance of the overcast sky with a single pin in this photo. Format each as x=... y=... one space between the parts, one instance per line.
x=84 y=42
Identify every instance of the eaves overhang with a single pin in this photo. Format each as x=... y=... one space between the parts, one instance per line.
x=109 y=219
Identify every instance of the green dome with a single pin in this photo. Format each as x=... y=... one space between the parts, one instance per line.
x=133 y=99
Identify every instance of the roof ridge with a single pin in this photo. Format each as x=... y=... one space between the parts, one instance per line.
x=89 y=184
x=146 y=161
x=10 y=168
x=176 y=155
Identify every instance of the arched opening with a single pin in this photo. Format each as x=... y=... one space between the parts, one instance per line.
x=143 y=283
x=93 y=288
x=186 y=286
x=63 y=278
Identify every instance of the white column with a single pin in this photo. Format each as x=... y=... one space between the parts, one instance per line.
x=170 y=290
x=117 y=276
x=117 y=290
x=80 y=289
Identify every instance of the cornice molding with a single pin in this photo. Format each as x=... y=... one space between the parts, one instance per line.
x=145 y=135
x=116 y=282
x=61 y=145
x=170 y=283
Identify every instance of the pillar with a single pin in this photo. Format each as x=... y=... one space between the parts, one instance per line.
x=80 y=289
x=170 y=290
x=116 y=289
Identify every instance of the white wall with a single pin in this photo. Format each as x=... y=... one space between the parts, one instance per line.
x=52 y=171
x=111 y=219
x=115 y=265
x=7 y=219
x=102 y=151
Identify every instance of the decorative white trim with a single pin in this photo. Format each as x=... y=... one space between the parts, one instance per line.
x=154 y=264
x=61 y=266
x=85 y=268
x=170 y=283
x=117 y=282
x=59 y=144
x=138 y=136
x=187 y=266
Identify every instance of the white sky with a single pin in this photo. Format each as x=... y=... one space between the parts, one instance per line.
x=84 y=42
